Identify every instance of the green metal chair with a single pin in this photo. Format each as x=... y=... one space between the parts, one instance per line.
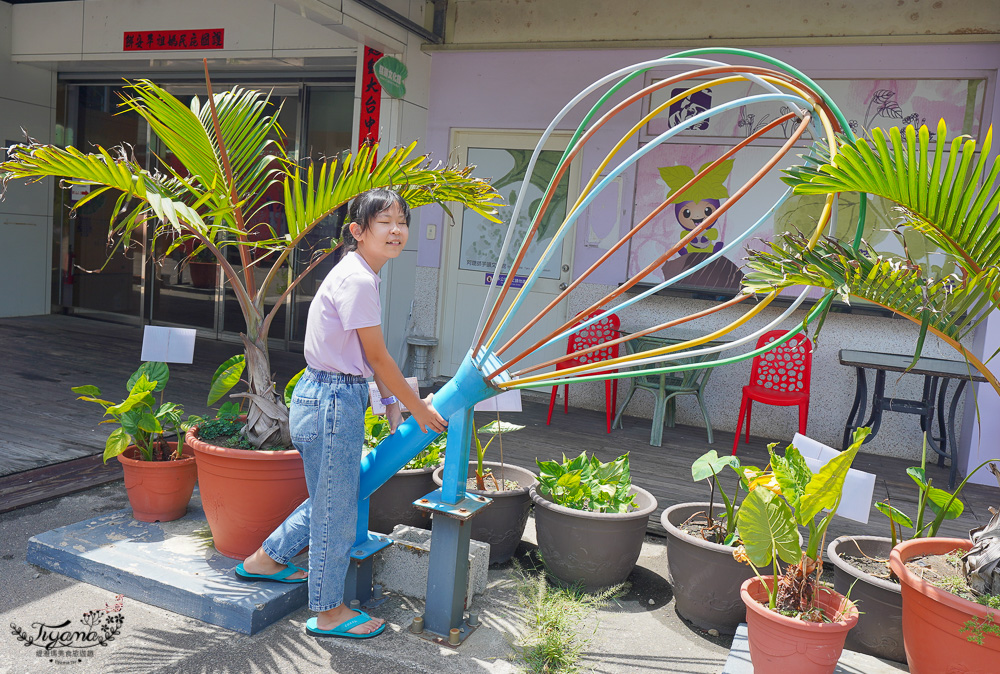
x=666 y=387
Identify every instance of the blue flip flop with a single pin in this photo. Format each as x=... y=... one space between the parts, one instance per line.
x=341 y=630
x=280 y=577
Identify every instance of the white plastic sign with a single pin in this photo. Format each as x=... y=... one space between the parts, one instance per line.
x=508 y=401
x=168 y=345
x=859 y=486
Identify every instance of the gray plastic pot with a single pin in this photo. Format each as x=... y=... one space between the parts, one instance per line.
x=597 y=550
x=880 y=627
x=501 y=524
x=392 y=503
x=704 y=576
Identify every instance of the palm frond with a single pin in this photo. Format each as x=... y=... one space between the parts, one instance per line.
x=946 y=193
x=950 y=306
x=323 y=187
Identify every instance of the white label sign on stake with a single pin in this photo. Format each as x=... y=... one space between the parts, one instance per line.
x=168 y=345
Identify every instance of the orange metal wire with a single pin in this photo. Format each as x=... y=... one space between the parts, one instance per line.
x=709 y=221
x=547 y=197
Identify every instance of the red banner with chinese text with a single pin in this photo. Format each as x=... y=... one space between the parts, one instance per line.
x=371 y=99
x=157 y=40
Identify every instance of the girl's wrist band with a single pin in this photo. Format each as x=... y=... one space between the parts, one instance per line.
x=390 y=400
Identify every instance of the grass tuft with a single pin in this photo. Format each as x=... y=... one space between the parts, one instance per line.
x=556 y=618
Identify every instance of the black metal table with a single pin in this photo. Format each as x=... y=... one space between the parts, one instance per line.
x=937 y=373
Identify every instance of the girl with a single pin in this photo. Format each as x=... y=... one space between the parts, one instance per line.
x=343 y=346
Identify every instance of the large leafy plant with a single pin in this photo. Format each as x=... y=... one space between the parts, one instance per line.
x=945 y=194
x=142 y=421
x=587 y=484
x=779 y=500
x=228 y=152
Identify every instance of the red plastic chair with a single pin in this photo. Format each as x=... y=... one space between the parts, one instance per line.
x=778 y=377
x=602 y=331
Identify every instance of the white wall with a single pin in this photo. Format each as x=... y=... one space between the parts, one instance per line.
x=26 y=93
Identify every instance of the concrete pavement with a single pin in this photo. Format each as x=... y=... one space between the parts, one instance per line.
x=639 y=633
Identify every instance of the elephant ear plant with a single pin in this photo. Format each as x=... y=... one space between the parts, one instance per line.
x=788 y=496
x=142 y=421
x=227 y=152
x=494 y=429
x=944 y=505
x=707 y=467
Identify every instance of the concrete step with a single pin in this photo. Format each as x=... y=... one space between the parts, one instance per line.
x=171 y=565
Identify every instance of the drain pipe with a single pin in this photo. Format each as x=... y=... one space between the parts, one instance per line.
x=440 y=9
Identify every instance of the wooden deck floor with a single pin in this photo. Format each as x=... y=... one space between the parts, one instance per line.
x=41 y=424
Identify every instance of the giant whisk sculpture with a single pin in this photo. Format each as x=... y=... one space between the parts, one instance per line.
x=492 y=366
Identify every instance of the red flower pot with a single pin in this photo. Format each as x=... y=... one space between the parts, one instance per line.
x=779 y=645
x=158 y=491
x=246 y=494
x=933 y=618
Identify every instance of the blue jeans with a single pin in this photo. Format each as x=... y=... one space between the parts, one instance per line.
x=327 y=422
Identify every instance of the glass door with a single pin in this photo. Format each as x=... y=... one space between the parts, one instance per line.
x=98 y=278
x=178 y=289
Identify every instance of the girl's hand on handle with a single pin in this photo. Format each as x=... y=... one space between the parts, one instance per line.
x=428 y=417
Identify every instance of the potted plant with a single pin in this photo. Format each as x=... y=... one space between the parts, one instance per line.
x=226 y=153
x=392 y=503
x=590 y=520
x=794 y=623
x=943 y=631
x=703 y=575
x=245 y=492
x=862 y=563
x=159 y=475
x=502 y=523
x=951 y=600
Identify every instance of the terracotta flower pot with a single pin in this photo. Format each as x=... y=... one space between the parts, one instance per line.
x=704 y=576
x=880 y=625
x=246 y=494
x=597 y=550
x=158 y=491
x=502 y=523
x=779 y=644
x=392 y=503
x=933 y=618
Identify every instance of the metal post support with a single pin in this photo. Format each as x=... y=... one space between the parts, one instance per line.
x=448 y=570
x=359 y=583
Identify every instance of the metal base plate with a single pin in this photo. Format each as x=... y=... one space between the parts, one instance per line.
x=464 y=631
x=368 y=548
x=462 y=510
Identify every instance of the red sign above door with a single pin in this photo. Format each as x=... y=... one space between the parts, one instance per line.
x=172 y=40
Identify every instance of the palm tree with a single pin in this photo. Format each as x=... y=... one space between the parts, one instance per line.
x=229 y=157
x=947 y=195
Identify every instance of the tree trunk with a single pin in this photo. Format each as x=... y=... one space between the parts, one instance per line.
x=267 y=416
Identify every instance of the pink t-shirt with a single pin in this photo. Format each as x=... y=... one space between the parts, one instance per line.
x=346 y=300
